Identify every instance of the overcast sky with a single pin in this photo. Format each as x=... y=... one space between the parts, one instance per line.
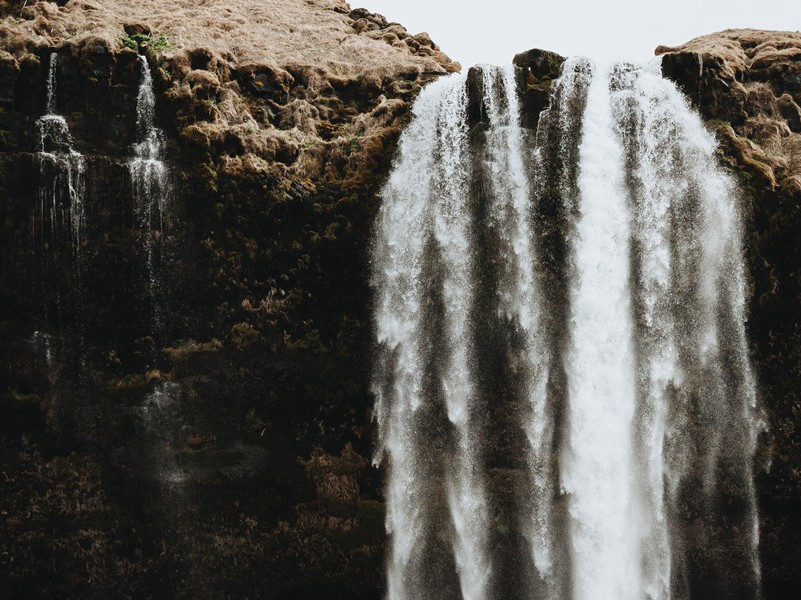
x=492 y=31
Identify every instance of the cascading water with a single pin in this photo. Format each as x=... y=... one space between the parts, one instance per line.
x=160 y=412
x=597 y=464
x=518 y=299
x=61 y=169
x=150 y=183
x=647 y=448
x=59 y=216
x=428 y=195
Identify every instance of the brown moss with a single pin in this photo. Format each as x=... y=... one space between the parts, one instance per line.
x=752 y=79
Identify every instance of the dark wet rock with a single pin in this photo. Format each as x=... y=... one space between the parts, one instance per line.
x=537 y=69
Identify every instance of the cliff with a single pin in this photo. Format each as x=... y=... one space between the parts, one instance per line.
x=223 y=449
x=184 y=407
x=747 y=85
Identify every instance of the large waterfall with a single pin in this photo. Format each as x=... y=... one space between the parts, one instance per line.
x=565 y=402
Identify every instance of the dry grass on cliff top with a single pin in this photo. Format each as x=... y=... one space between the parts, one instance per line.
x=304 y=130
x=281 y=32
x=742 y=49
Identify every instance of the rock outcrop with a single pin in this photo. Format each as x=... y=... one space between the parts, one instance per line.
x=748 y=84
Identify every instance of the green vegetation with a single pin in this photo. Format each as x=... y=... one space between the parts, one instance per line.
x=352 y=143
x=158 y=43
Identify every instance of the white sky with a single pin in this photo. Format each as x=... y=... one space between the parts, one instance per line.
x=493 y=31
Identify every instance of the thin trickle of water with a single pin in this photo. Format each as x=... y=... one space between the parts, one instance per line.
x=50 y=98
x=149 y=183
x=658 y=422
x=160 y=414
x=61 y=170
x=148 y=171
x=59 y=219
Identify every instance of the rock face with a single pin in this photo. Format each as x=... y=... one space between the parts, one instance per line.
x=747 y=84
x=184 y=405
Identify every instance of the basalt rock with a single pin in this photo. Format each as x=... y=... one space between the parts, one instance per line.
x=224 y=453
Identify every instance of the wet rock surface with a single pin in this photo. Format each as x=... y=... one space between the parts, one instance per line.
x=194 y=421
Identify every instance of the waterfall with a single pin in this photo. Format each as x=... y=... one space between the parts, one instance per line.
x=59 y=220
x=149 y=183
x=160 y=413
x=518 y=298
x=61 y=170
x=613 y=288
x=597 y=464
x=428 y=194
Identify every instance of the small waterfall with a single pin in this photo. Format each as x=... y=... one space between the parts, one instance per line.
x=150 y=184
x=59 y=219
x=61 y=170
x=618 y=284
x=160 y=412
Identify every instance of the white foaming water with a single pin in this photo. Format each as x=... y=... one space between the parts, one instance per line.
x=453 y=234
x=148 y=171
x=60 y=214
x=61 y=170
x=655 y=192
x=597 y=463
x=518 y=296
x=659 y=382
x=428 y=194
x=404 y=223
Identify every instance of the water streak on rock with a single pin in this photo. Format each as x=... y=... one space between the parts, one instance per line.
x=150 y=184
